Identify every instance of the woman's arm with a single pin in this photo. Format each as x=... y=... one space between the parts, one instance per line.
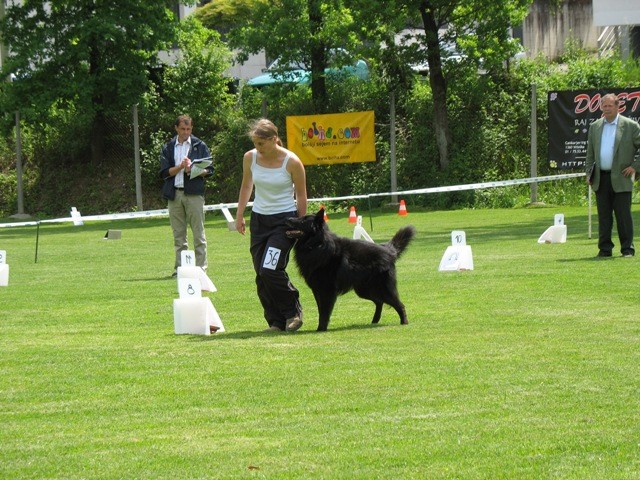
x=299 y=178
x=245 y=192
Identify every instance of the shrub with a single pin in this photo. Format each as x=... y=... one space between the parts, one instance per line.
x=490 y=118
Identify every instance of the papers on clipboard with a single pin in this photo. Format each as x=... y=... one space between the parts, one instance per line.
x=198 y=166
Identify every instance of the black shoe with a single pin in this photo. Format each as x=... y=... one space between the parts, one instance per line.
x=603 y=254
x=628 y=254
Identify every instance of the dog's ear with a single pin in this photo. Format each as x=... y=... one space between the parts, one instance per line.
x=320 y=216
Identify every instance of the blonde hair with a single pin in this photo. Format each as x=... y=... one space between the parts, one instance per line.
x=263 y=128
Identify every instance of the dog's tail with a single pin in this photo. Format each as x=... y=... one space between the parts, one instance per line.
x=402 y=238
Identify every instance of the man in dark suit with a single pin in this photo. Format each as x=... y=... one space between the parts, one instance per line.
x=613 y=152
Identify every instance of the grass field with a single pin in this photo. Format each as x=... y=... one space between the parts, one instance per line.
x=527 y=367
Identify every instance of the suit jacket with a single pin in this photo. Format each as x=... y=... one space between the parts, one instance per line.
x=626 y=152
x=193 y=186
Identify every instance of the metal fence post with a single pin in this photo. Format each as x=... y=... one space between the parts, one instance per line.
x=136 y=154
x=392 y=148
x=534 y=145
x=19 y=165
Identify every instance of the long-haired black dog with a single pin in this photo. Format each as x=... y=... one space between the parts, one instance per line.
x=333 y=265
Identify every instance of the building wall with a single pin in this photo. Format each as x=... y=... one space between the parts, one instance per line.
x=254 y=66
x=547 y=29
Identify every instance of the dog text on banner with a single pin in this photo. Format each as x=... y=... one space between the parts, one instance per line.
x=332 y=138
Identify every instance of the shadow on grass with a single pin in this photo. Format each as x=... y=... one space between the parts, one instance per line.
x=246 y=334
x=151 y=278
x=593 y=258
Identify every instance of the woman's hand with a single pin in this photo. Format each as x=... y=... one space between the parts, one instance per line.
x=240 y=225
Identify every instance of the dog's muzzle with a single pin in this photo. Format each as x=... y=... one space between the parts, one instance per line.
x=294 y=233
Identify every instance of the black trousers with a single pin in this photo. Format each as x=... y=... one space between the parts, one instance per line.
x=610 y=203
x=270 y=249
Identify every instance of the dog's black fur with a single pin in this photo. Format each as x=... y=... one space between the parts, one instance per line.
x=333 y=265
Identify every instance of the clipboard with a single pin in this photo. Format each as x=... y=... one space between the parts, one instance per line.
x=198 y=166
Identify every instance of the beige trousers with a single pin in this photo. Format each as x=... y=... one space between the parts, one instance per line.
x=188 y=210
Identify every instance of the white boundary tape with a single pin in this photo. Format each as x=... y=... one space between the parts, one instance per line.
x=457 y=188
x=220 y=206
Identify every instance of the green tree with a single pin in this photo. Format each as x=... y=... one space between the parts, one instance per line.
x=313 y=33
x=223 y=15
x=92 y=55
x=479 y=29
x=196 y=83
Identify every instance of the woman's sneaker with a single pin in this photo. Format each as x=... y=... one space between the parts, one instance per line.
x=272 y=329
x=294 y=323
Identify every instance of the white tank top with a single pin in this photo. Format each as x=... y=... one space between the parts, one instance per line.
x=274 y=188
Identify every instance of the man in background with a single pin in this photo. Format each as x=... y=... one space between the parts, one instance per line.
x=613 y=159
x=185 y=194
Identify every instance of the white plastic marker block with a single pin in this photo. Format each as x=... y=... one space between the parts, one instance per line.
x=195 y=316
x=189 y=288
x=76 y=217
x=188 y=258
x=359 y=232
x=190 y=316
x=231 y=223
x=3 y=256
x=557 y=233
x=458 y=238
x=196 y=272
x=213 y=318
x=457 y=259
x=4 y=275
x=113 y=235
x=458 y=256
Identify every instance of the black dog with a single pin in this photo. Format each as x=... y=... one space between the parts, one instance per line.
x=333 y=265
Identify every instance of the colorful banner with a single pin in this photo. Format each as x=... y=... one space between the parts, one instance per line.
x=570 y=114
x=332 y=138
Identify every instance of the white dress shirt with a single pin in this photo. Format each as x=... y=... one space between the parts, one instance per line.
x=607 y=142
x=180 y=151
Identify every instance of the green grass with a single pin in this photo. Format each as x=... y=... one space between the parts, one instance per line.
x=527 y=367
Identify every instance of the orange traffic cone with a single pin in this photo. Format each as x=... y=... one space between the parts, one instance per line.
x=403 y=208
x=326 y=217
x=352 y=215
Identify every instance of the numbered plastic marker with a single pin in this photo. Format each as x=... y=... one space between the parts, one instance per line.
x=457 y=257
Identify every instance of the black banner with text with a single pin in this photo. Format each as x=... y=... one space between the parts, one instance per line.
x=570 y=114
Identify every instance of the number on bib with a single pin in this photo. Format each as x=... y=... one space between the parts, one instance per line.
x=271 y=258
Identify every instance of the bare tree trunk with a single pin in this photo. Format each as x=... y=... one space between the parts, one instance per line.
x=438 y=84
x=441 y=121
x=98 y=126
x=318 y=57
x=97 y=139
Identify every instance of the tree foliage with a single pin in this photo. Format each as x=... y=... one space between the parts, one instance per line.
x=313 y=33
x=396 y=34
x=430 y=31
x=196 y=84
x=222 y=15
x=91 y=54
